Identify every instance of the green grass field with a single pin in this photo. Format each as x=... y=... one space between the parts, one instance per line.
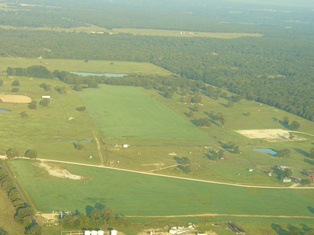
x=128 y=112
x=136 y=194
x=154 y=127
x=95 y=66
x=43 y=127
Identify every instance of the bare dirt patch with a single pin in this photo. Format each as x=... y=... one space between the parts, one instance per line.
x=15 y=99
x=57 y=172
x=269 y=134
x=3 y=157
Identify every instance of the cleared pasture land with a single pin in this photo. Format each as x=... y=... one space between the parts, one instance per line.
x=52 y=130
x=138 y=195
x=94 y=66
x=142 y=32
x=7 y=221
x=176 y=33
x=128 y=112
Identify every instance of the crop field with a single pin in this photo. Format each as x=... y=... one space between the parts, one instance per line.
x=135 y=194
x=95 y=66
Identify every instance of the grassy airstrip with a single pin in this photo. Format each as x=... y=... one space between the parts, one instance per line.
x=128 y=112
x=135 y=194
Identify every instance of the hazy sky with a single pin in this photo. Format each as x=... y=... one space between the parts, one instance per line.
x=280 y=2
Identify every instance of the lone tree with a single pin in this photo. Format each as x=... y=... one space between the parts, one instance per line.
x=312 y=153
x=44 y=102
x=15 y=83
x=283 y=153
x=79 y=146
x=32 y=105
x=15 y=89
x=294 y=125
x=31 y=154
x=12 y=152
x=24 y=114
x=286 y=173
x=81 y=109
x=286 y=120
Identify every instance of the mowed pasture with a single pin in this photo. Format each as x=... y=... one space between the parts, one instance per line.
x=130 y=113
x=135 y=194
x=93 y=66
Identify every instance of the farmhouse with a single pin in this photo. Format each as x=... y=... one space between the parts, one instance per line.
x=45 y=97
x=309 y=174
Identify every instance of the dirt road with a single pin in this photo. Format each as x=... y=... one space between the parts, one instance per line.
x=177 y=177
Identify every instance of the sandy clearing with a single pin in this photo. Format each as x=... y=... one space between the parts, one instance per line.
x=3 y=157
x=57 y=172
x=269 y=134
x=15 y=99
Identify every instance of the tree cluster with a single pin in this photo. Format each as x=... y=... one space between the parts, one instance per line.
x=24 y=213
x=36 y=71
x=202 y=122
x=98 y=216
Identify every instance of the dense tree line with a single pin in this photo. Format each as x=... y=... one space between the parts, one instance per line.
x=275 y=69
x=24 y=213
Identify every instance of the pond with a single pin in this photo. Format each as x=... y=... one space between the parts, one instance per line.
x=269 y=151
x=118 y=75
x=4 y=110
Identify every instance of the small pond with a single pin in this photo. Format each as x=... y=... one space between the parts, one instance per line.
x=118 y=75
x=4 y=110
x=269 y=151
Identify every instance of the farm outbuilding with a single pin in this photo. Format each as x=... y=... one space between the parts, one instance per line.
x=286 y=179
x=309 y=174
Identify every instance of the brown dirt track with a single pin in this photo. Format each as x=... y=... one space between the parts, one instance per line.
x=15 y=99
